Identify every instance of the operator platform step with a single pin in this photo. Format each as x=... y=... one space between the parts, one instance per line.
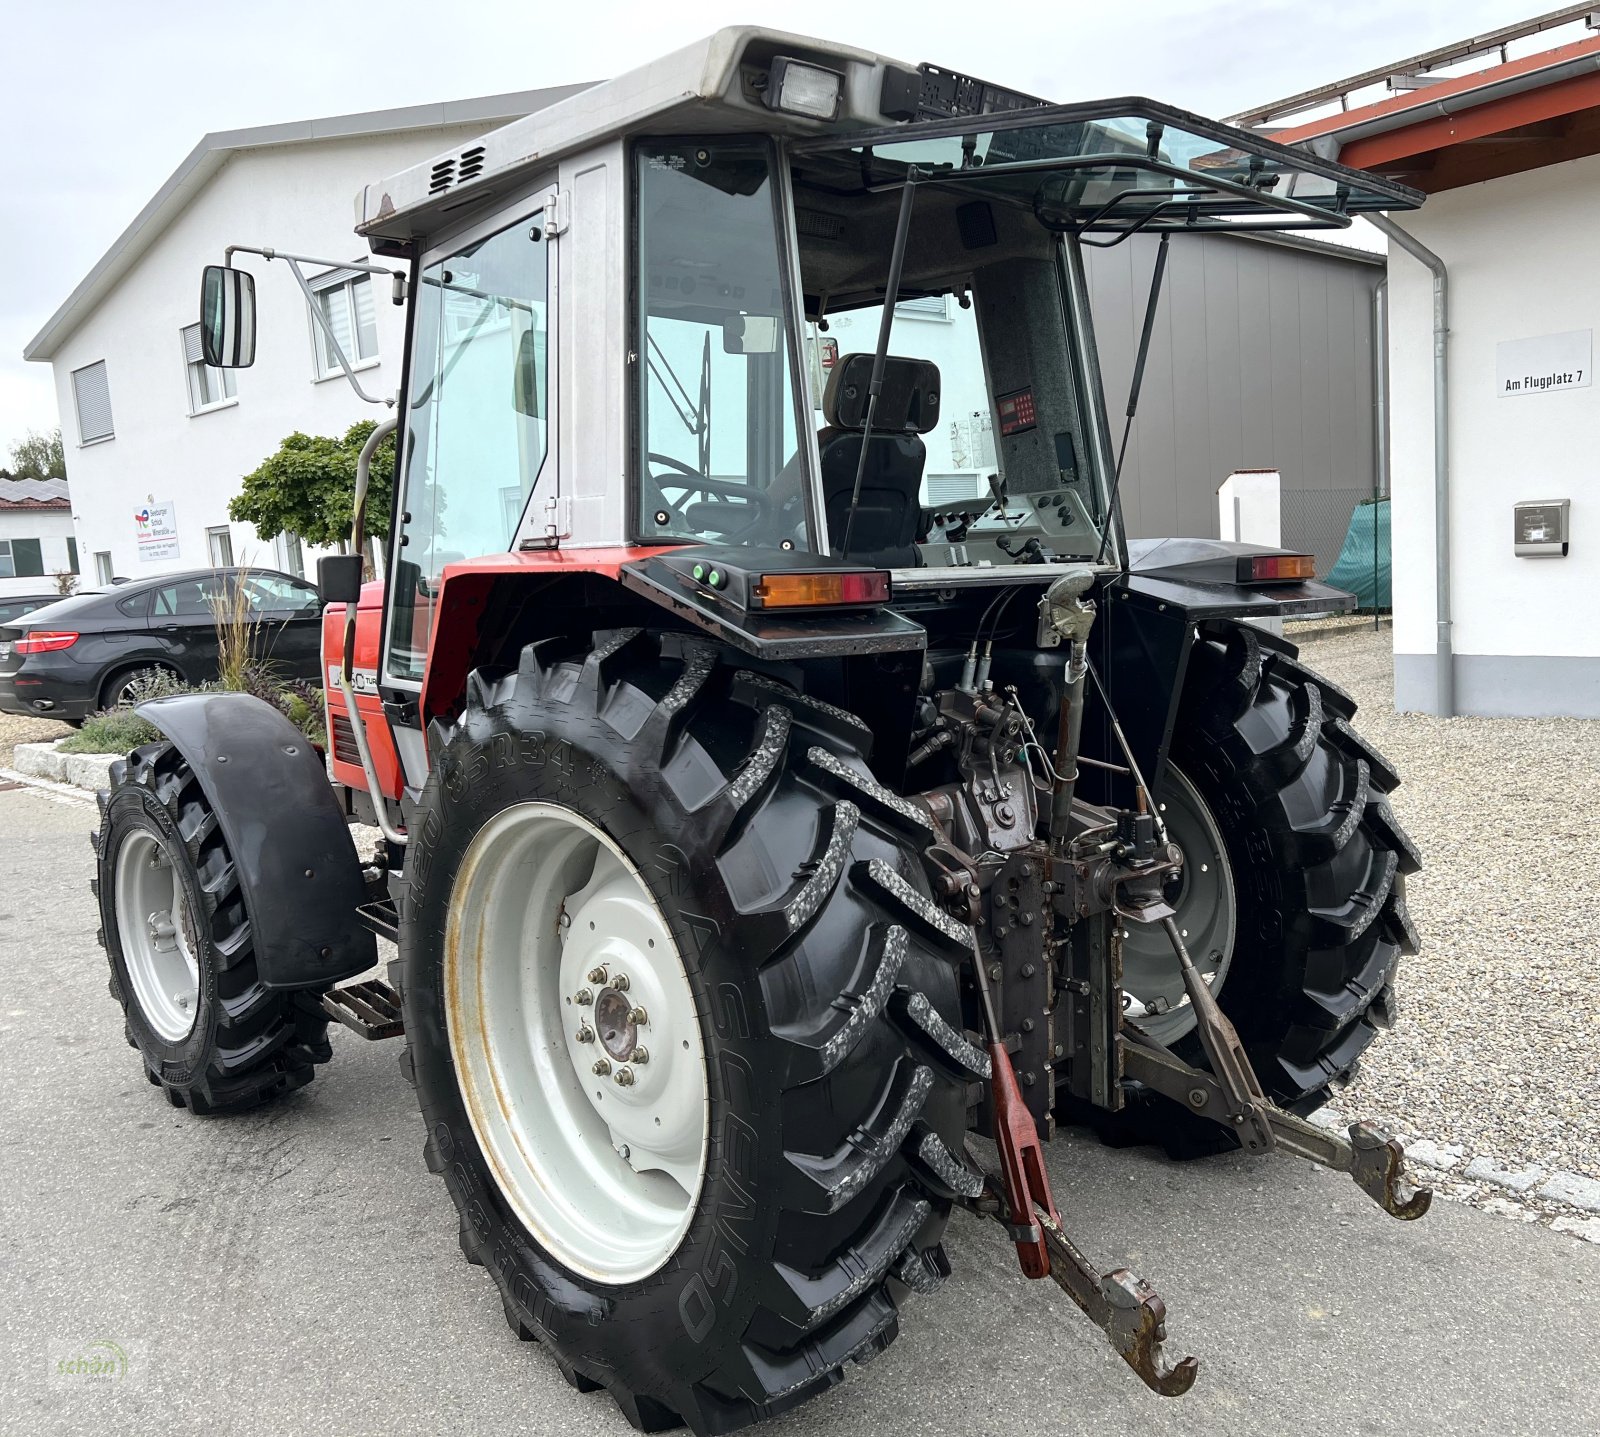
x=372 y=1009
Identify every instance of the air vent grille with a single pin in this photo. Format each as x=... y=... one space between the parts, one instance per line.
x=344 y=740
x=471 y=165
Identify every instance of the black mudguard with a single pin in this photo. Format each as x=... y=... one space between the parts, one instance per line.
x=1142 y=641
x=296 y=862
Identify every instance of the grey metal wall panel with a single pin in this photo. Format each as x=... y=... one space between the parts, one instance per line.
x=1261 y=359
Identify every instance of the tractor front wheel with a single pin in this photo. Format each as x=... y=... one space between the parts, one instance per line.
x=175 y=928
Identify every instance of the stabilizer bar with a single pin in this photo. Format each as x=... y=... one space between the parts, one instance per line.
x=1373 y=1159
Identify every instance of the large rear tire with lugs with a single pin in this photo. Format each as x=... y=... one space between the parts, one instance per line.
x=684 y=1027
x=1317 y=865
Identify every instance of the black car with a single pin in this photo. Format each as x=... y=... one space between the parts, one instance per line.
x=14 y=606
x=78 y=655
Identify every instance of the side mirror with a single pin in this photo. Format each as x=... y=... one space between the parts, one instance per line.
x=228 y=317
x=339 y=578
x=750 y=334
x=525 y=385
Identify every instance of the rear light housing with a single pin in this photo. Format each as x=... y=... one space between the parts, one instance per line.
x=827 y=589
x=44 y=641
x=1276 y=568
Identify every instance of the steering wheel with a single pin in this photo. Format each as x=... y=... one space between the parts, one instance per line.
x=753 y=510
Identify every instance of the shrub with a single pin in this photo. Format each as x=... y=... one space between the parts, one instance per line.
x=114 y=731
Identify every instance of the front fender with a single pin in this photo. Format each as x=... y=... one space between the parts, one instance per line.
x=297 y=866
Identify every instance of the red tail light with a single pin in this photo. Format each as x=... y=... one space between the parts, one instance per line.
x=1276 y=568
x=45 y=641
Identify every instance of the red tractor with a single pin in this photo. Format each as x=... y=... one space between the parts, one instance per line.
x=775 y=856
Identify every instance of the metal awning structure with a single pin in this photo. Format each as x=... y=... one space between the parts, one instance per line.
x=1115 y=167
x=1418 y=122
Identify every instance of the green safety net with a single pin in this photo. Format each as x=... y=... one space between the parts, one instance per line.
x=1363 y=565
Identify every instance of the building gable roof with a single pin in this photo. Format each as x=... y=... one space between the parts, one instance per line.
x=207 y=158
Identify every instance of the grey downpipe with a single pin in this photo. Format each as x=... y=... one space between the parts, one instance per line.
x=1444 y=663
x=1380 y=390
x=358 y=533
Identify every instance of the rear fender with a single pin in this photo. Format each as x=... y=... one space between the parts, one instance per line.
x=297 y=866
x=1143 y=642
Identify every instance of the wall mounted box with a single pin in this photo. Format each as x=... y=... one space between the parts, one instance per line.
x=1540 y=528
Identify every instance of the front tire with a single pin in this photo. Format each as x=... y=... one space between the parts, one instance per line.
x=178 y=939
x=740 y=822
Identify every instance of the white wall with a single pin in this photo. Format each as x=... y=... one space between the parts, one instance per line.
x=1521 y=258
x=52 y=527
x=293 y=197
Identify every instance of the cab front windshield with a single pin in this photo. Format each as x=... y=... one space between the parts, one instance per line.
x=718 y=395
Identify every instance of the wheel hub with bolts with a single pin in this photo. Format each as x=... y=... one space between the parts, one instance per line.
x=576 y=1036
x=648 y=1108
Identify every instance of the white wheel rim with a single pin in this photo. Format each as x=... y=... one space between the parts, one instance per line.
x=157 y=934
x=1206 y=914
x=576 y=1041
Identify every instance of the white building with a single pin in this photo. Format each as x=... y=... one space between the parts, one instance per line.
x=1509 y=153
x=156 y=443
x=37 y=544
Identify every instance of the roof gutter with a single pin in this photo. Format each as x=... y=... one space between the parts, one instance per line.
x=1444 y=675
x=1328 y=137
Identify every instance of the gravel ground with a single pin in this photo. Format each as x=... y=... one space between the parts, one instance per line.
x=1498 y=1044
x=17 y=728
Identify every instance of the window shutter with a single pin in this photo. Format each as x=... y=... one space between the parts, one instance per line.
x=92 y=392
x=192 y=353
x=336 y=310
x=931 y=306
x=946 y=488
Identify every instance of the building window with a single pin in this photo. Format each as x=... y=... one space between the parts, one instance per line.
x=208 y=387
x=345 y=299
x=103 y=573
x=21 y=559
x=294 y=557
x=72 y=554
x=220 y=543
x=91 y=392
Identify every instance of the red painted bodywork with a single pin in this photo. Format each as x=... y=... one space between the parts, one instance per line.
x=463 y=590
x=343 y=758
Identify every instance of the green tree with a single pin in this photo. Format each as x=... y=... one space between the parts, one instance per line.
x=309 y=486
x=39 y=456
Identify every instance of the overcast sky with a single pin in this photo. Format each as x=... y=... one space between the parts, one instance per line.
x=102 y=99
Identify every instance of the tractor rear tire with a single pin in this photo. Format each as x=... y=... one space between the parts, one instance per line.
x=824 y=1003
x=1319 y=864
x=175 y=931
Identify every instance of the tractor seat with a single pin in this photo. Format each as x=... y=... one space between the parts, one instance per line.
x=887 y=518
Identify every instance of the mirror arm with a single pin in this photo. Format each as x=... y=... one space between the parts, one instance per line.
x=322 y=323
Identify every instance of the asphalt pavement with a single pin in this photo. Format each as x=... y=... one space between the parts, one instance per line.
x=296 y=1269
